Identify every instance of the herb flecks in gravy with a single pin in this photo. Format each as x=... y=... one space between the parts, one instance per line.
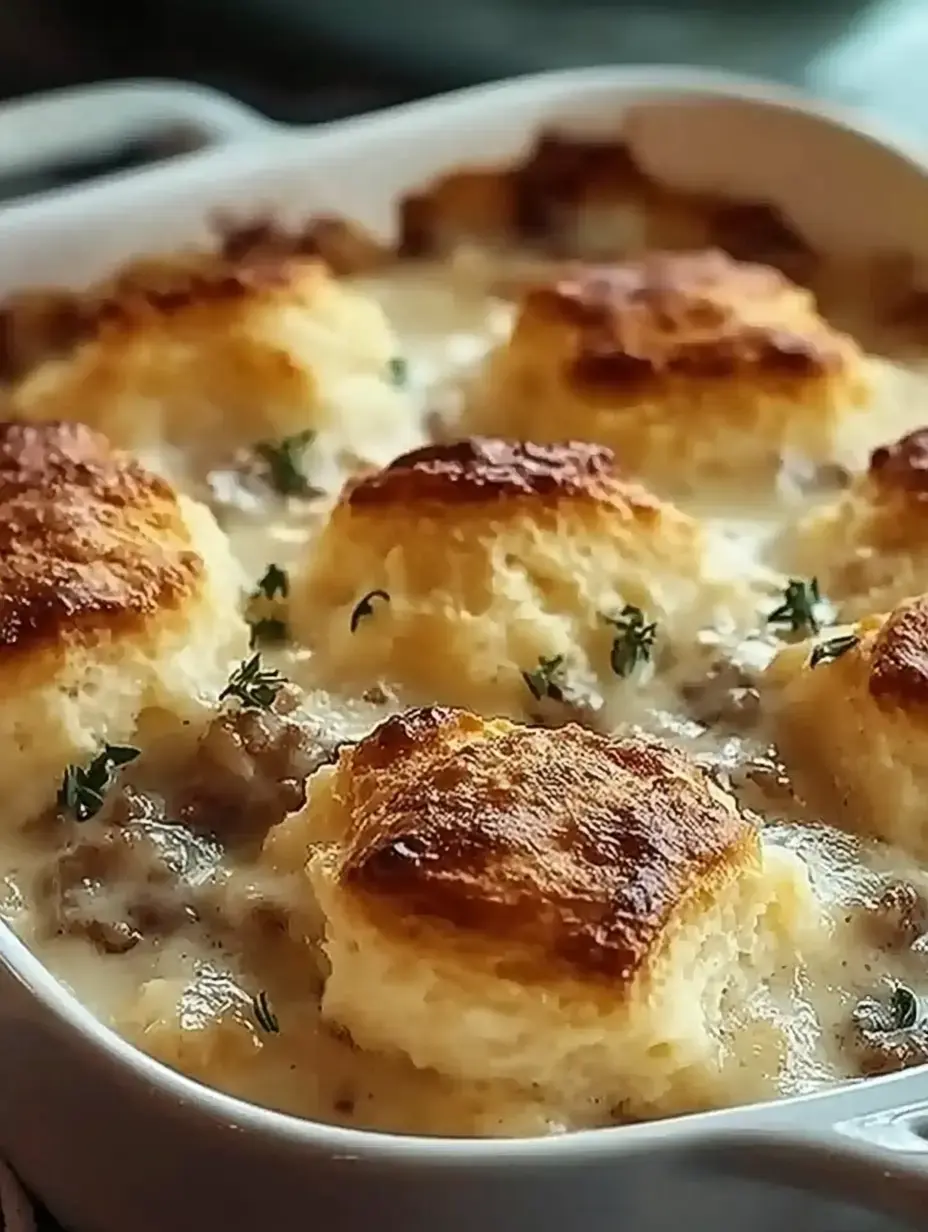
x=833 y=648
x=803 y=610
x=399 y=371
x=286 y=463
x=266 y=610
x=264 y=1014
x=547 y=679
x=83 y=788
x=365 y=607
x=254 y=686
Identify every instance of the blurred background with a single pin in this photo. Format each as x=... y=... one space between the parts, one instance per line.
x=304 y=60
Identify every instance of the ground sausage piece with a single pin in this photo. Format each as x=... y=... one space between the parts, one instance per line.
x=145 y=866
x=762 y=785
x=112 y=881
x=249 y=771
x=720 y=690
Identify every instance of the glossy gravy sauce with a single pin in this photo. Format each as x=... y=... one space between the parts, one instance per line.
x=235 y=1003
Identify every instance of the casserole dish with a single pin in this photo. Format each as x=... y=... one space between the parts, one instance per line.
x=111 y=1138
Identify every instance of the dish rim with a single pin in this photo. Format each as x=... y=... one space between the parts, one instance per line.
x=248 y=134
x=343 y=1142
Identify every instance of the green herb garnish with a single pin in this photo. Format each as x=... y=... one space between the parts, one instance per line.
x=264 y=1015
x=264 y=614
x=827 y=652
x=274 y=582
x=365 y=607
x=254 y=686
x=903 y=1005
x=284 y=460
x=399 y=371
x=83 y=788
x=901 y=1012
x=633 y=640
x=801 y=608
x=547 y=679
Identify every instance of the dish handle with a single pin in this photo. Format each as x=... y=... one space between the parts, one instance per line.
x=51 y=141
x=866 y=1143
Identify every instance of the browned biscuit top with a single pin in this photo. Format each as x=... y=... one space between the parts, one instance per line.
x=88 y=538
x=565 y=848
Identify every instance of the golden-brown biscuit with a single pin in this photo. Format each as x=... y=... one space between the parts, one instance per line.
x=118 y=606
x=869 y=547
x=211 y=354
x=459 y=569
x=559 y=910
x=691 y=366
x=850 y=715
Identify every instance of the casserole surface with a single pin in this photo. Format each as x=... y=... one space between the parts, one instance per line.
x=765 y=587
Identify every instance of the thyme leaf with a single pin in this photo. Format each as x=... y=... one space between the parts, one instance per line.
x=264 y=1014
x=399 y=371
x=266 y=611
x=827 y=652
x=878 y=1017
x=255 y=687
x=83 y=788
x=802 y=607
x=903 y=1005
x=284 y=460
x=365 y=607
x=274 y=582
x=547 y=679
x=633 y=641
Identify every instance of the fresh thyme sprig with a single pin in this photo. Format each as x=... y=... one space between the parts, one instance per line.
x=900 y=1013
x=903 y=1005
x=365 y=607
x=83 y=788
x=254 y=686
x=547 y=680
x=266 y=608
x=274 y=582
x=264 y=1014
x=284 y=459
x=803 y=609
x=827 y=652
x=633 y=641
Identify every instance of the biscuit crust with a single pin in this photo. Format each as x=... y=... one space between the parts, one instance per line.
x=865 y=768
x=902 y=466
x=558 y=910
x=484 y=470
x=90 y=542
x=898 y=669
x=209 y=354
x=698 y=315
x=689 y=365
x=869 y=546
x=487 y=556
x=571 y=852
x=119 y=608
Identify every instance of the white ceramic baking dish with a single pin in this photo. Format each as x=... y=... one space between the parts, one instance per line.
x=117 y=1143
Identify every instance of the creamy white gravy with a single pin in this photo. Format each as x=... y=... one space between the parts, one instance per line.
x=188 y=997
